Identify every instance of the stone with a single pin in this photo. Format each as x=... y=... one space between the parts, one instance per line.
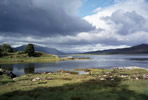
x=36 y=79
x=14 y=79
x=8 y=73
x=1 y=73
x=105 y=75
x=102 y=79
x=137 y=78
x=49 y=78
x=11 y=75
x=33 y=80
x=145 y=77
x=123 y=76
x=112 y=79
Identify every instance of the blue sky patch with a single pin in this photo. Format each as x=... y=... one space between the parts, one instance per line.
x=89 y=5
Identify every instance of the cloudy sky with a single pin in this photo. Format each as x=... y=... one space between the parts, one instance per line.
x=74 y=25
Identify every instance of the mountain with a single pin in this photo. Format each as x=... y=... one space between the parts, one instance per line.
x=41 y=49
x=138 y=49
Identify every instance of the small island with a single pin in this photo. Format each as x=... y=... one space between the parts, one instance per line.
x=29 y=55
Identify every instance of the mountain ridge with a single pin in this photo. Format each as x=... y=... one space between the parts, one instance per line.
x=41 y=49
x=138 y=49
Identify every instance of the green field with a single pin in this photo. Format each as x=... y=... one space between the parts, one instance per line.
x=11 y=58
x=67 y=86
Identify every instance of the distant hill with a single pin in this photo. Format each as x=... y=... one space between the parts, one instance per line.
x=41 y=49
x=138 y=49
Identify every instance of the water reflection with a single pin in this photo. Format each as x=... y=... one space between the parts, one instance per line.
x=96 y=61
x=139 y=59
x=29 y=68
x=7 y=66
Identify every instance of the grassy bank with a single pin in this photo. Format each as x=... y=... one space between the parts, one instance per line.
x=17 y=57
x=65 y=86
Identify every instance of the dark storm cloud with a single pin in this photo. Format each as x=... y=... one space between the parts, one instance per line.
x=40 y=17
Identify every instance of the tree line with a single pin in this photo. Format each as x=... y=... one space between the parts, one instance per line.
x=6 y=48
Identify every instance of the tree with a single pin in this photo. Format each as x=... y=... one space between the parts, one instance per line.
x=29 y=49
x=6 y=48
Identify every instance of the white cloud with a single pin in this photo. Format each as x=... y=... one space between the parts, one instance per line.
x=124 y=23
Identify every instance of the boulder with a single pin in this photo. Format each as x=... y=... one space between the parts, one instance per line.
x=8 y=73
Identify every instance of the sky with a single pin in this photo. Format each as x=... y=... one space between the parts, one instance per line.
x=74 y=25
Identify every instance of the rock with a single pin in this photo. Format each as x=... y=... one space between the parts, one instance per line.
x=36 y=79
x=137 y=78
x=49 y=78
x=8 y=73
x=112 y=79
x=1 y=70
x=102 y=79
x=33 y=80
x=123 y=76
x=105 y=75
x=1 y=73
x=14 y=79
x=145 y=77
x=11 y=75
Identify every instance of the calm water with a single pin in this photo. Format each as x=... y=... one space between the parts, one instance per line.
x=96 y=61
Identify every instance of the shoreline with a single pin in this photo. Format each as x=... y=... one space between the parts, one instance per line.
x=48 y=59
x=55 y=85
x=85 y=71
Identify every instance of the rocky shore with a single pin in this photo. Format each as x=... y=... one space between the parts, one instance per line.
x=7 y=72
x=47 y=85
x=130 y=73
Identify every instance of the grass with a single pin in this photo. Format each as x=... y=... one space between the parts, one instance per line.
x=69 y=86
x=39 y=57
x=5 y=79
